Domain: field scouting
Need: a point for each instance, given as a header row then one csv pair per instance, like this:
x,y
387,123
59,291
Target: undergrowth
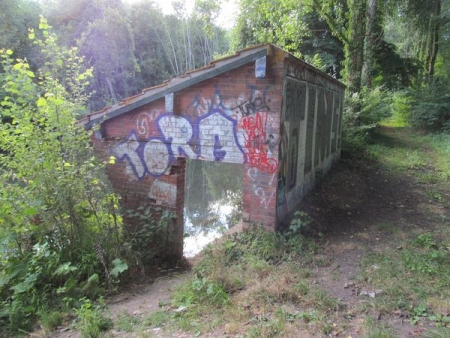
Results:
x,y
254,283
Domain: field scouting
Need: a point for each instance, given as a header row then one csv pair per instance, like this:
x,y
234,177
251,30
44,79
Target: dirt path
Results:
x,y
363,211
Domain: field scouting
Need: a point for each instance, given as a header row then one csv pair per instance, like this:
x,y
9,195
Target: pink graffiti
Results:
x,y
144,121
256,142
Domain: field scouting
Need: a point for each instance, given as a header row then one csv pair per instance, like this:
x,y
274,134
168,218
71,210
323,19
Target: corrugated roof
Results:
x,y
193,77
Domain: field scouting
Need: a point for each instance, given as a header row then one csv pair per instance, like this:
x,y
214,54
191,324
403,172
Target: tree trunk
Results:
x,y
355,45
372,35
434,43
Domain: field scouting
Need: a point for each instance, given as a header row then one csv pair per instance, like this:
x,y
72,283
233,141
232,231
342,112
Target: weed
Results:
x,y
157,319
126,322
301,220
435,196
373,329
91,319
50,320
324,302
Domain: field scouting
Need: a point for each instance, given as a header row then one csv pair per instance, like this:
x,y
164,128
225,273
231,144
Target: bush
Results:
x,y
431,106
60,231
362,114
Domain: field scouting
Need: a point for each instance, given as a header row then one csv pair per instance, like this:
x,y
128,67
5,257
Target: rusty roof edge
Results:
x,y
149,95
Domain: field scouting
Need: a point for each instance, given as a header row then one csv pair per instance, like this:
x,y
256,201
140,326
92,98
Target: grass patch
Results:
x,y
373,329
50,320
127,323
415,279
387,228
424,157
241,284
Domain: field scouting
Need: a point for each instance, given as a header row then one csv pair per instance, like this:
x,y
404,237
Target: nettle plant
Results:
x,y
59,226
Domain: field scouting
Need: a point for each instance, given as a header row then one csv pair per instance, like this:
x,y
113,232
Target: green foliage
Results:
x,y
391,70
373,329
256,248
201,290
297,28
431,106
91,319
149,233
301,220
126,323
50,320
59,221
363,112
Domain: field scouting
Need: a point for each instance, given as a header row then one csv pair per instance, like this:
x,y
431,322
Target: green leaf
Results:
x,y
9,51
43,25
93,279
41,102
65,269
30,211
31,36
119,267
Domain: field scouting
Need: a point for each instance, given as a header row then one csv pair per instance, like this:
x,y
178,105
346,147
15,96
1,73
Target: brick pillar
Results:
x,y
176,228
259,200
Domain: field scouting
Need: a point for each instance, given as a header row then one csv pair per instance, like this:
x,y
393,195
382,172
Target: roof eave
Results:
x,y
149,95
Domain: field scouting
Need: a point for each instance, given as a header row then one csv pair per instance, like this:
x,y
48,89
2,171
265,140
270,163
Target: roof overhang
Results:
x,y
149,95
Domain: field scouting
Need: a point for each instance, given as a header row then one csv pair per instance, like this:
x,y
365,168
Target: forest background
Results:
x,y
60,242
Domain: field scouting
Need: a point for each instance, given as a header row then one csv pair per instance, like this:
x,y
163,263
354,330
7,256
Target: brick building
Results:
x,y
263,108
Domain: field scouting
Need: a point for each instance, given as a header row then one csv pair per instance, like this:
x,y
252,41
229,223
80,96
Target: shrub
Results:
x,y
60,231
431,106
362,114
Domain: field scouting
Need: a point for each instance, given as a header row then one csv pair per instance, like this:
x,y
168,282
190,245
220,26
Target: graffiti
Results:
x,y
295,100
308,75
256,103
310,129
320,137
292,160
150,157
144,121
334,134
216,137
258,182
163,192
295,112
309,136
256,142
201,106
177,131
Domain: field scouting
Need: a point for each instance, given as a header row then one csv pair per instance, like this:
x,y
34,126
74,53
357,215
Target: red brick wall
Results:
x,y
234,117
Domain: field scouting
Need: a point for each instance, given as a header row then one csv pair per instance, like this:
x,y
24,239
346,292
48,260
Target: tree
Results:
x,y
293,25
108,46
16,17
59,226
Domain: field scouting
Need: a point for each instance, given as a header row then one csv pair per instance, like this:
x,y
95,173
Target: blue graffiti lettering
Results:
x,y
214,133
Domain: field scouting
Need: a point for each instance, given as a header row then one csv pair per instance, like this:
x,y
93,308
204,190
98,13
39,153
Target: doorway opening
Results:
x,y
212,202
